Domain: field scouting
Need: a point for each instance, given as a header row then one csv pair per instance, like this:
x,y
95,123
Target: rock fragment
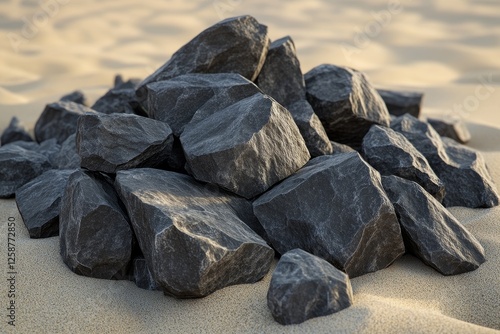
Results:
x,y
341,148
451,128
67,157
76,96
402,102
142,275
16,131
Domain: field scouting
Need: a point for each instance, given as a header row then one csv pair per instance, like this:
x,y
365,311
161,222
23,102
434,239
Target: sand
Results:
x,y
449,50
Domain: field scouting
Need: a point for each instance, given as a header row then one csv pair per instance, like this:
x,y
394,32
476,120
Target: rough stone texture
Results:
x,y
335,208
67,157
142,276
109,143
391,153
430,231
452,128
401,102
76,96
16,131
116,100
246,147
96,238
58,120
193,242
345,102
50,148
462,170
39,202
341,148
235,45
304,286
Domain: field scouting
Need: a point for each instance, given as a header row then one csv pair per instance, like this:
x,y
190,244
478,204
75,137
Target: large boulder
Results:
x,y
453,128
16,131
335,208
402,102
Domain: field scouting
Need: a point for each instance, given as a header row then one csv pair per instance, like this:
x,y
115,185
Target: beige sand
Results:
x,y
446,49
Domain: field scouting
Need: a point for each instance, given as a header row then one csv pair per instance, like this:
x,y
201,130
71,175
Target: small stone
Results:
x,y
76,96
16,131
402,102
453,128
116,100
430,231
50,148
341,148
304,286
142,275
119,83
67,157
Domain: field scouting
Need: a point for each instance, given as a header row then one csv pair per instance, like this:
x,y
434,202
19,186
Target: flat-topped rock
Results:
x,y
15,131
402,102
453,128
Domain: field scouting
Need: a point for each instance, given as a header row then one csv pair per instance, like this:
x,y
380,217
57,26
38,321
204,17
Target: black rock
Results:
x,y
142,275
461,169
67,157
108,143
341,148
430,231
96,239
335,208
246,147
200,245
39,202
304,286
16,131
452,128
58,120
402,102
76,96
117,100
345,102
235,45
392,154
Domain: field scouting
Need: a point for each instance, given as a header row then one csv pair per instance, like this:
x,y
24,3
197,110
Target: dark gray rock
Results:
x,y
142,275
341,148
76,96
58,120
235,45
462,170
200,244
16,131
119,83
335,208
96,238
246,147
39,202
430,231
304,286
402,102
391,153
67,157
50,148
453,128
345,102
108,143
117,100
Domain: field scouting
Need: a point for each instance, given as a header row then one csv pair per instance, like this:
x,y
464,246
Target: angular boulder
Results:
x,y
16,131
453,128
67,157
76,96
402,102
335,208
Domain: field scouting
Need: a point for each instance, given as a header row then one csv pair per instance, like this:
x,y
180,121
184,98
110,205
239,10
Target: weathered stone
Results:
x,y
76,96
235,45
461,169
391,153
453,128
345,102
192,240
402,102
341,148
16,131
96,239
108,143
142,275
335,208
58,120
39,202
246,147
430,231
116,100
67,157
304,286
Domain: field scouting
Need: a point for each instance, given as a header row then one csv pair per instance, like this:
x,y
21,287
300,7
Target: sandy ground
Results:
x,y
449,50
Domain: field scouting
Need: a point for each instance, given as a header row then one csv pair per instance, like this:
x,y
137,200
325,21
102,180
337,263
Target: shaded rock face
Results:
x,y
96,239
58,120
67,157
235,45
142,276
391,153
245,148
345,102
402,102
341,148
109,143
304,286
76,96
430,231
462,170
39,202
193,242
335,208
16,131
451,128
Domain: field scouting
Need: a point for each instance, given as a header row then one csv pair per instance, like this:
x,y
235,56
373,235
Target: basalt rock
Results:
x,y
16,131
451,128
402,102
117,100
76,96
142,275
67,157
341,148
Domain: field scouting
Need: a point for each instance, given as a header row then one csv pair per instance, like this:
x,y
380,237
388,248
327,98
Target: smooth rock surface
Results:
x,y
16,131
77,96
67,157
401,102
142,275
430,231
304,286
335,208
451,128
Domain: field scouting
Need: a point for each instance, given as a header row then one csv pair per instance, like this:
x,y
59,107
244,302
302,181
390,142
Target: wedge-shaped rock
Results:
x,y
235,45
392,154
462,170
58,120
96,238
335,208
304,286
430,231
452,128
142,275
16,131
108,143
246,147
341,148
192,240
67,157
39,202
402,102
345,102
76,96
